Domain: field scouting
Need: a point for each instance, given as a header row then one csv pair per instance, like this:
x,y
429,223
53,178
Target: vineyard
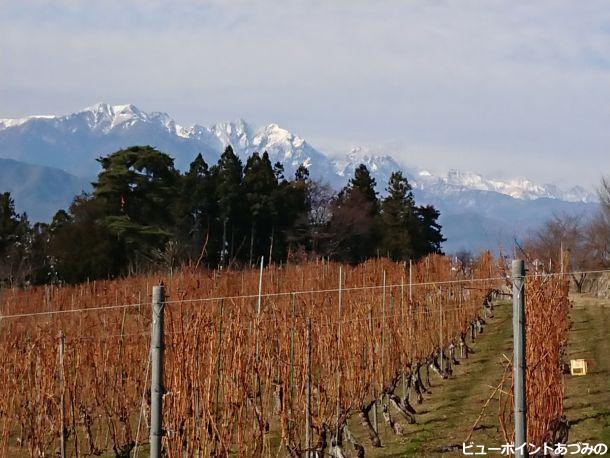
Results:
x,y
289,360
546,307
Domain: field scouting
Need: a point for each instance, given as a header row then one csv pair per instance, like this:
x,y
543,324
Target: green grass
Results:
x,y
587,398
448,414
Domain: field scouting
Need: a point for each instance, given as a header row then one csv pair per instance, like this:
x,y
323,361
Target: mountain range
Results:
x,y
49,159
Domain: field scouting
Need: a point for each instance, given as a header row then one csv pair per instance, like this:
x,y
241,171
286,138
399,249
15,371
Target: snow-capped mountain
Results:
x,y
380,166
73,142
520,188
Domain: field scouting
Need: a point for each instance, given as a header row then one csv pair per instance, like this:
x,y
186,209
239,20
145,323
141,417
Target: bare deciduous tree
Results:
x,y
598,230
585,243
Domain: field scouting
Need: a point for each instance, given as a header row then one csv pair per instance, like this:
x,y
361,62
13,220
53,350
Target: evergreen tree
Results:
x,y
82,247
364,184
291,216
430,237
400,225
278,170
353,234
260,184
9,222
14,243
228,175
137,187
143,214
197,211
301,174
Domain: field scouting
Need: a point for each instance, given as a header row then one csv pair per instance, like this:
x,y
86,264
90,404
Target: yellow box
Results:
x,y
578,367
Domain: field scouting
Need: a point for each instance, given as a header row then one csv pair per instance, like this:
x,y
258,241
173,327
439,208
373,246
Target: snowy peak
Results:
x,y
14,122
237,134
104,117
72,142
518,188
380,166
275,136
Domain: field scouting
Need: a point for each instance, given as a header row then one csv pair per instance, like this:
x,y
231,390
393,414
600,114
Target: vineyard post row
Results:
x,y
157,356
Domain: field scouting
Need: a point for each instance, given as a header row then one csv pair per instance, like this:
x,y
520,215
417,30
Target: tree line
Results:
x,y
582,244
144,214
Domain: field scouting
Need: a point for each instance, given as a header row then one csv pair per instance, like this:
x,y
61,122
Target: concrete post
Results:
x,y
156,384
519,362
62,381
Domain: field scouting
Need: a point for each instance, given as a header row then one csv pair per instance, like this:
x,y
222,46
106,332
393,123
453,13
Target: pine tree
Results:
x,y
399,220
430,237
14,242
260,182
291,201
138,188
353,232
9,221
301,173
228,175
83,247
196,210
364,184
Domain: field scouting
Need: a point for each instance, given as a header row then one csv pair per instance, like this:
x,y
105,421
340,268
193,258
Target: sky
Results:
x,y
506,88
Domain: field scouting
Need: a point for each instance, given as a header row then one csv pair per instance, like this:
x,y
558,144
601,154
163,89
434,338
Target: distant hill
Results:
x,y
38,190
475,220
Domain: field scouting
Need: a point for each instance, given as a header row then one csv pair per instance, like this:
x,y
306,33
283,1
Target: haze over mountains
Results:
x,y
53,158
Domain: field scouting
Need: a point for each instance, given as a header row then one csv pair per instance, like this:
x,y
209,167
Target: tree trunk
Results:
x,y
433,364
428,375
223,248
252,231
271,245
404,408
320,447
363,414
359,449
396,427
579,282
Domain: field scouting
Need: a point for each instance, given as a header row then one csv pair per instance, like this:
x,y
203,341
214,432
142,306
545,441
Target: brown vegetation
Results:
x,y
235,380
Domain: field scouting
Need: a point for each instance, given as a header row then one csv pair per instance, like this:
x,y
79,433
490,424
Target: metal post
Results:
x,y
339,373
62,381
402,314
519,363
293,305
561,259
257,333
374,406
411,320
156,382
382,332
402,301
410,281
308,390
219,359
260,287
440,334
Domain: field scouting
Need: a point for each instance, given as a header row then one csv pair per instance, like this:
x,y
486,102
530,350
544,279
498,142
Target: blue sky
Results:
x,y
505,88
